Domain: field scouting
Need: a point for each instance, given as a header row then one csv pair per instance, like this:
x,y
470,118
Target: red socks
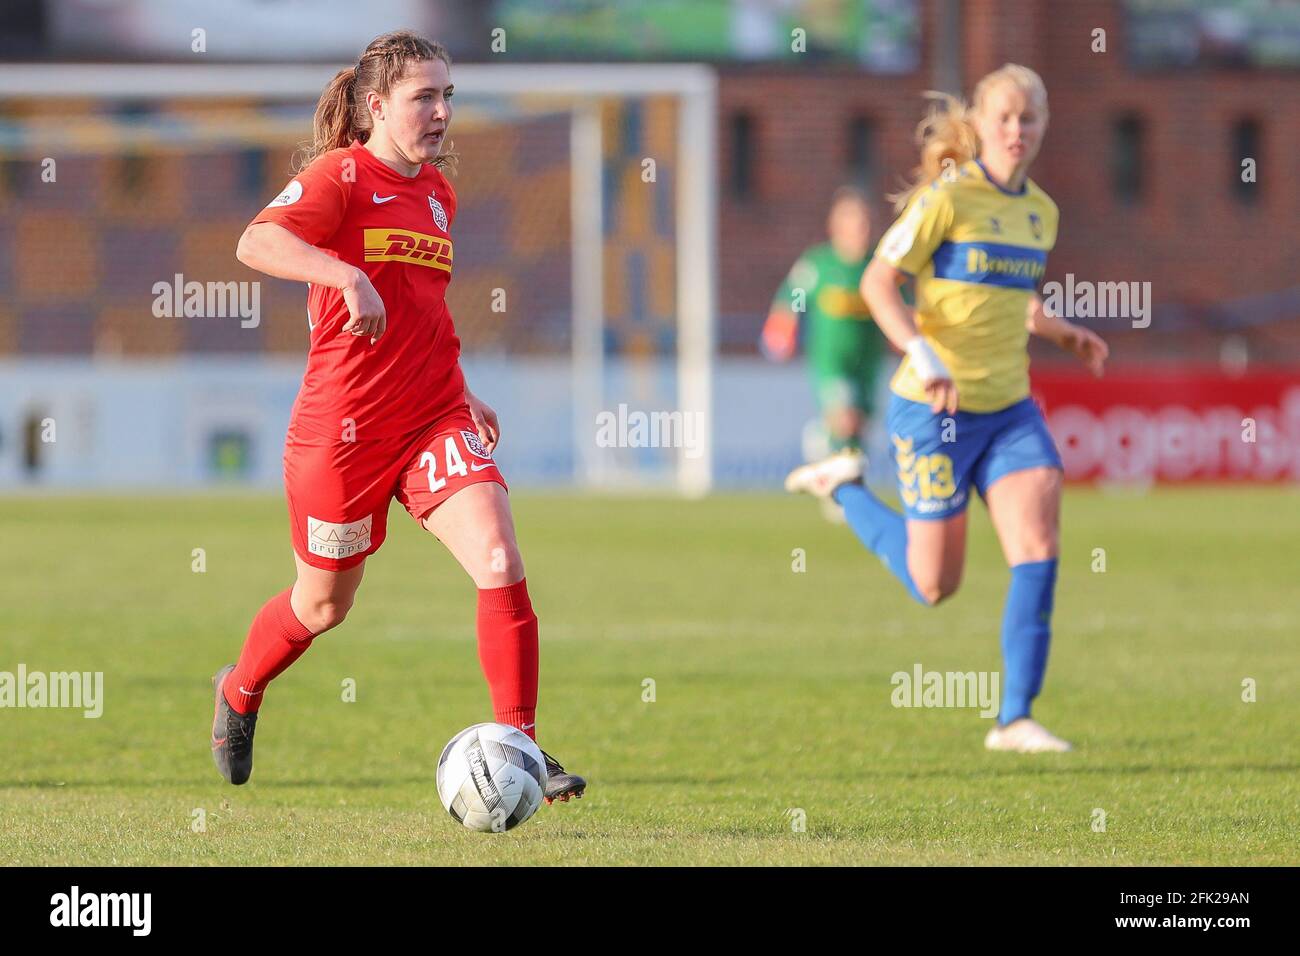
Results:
x,y
507,649
276,639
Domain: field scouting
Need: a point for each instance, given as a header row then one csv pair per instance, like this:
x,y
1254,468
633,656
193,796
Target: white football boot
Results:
x,y
1025,736
822,477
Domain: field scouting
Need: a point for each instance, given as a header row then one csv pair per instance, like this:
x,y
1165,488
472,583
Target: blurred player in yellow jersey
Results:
x,y
974,233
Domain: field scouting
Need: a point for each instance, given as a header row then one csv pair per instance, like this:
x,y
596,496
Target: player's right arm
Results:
x,y
903,251
781,330
780,335
282,241
271,248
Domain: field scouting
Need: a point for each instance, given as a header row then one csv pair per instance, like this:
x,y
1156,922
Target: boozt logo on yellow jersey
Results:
x,y
978,260
990,263
402,245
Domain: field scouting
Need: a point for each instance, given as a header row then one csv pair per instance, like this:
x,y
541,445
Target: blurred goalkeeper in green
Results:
x,y
846,351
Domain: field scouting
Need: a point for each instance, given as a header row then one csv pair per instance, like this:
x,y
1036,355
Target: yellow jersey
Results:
x,y
978,252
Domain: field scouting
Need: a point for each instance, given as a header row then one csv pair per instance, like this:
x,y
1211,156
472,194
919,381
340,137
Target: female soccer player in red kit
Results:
x,y
384,410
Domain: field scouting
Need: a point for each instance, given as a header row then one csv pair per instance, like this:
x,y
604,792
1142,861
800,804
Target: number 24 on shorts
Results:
x,y
455,465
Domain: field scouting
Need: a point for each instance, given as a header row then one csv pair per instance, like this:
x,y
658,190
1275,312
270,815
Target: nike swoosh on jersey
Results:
x,y
382,199
491,464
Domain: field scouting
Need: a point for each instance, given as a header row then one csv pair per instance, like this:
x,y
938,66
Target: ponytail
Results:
x,y
341,114
332,127
947,136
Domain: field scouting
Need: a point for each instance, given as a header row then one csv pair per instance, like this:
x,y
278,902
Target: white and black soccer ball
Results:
x,y
491,777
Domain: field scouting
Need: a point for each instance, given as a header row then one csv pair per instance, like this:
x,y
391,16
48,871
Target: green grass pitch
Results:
x,y
771,690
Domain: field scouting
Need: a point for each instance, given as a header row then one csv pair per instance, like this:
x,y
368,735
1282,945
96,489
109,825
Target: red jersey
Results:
x,y
352,206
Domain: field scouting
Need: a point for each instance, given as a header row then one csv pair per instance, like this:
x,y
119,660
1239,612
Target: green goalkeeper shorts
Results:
x,y
837,388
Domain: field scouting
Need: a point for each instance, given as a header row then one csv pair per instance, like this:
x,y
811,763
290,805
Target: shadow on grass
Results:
x,y
1038,769
1062,769
188,784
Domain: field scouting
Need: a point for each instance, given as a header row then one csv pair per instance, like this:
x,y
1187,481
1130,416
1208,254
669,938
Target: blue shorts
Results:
x,y
937,457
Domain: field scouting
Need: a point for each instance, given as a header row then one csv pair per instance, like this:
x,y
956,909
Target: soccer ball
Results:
x,y
491,777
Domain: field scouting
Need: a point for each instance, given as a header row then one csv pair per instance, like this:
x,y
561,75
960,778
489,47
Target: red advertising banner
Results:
x,y
1178,425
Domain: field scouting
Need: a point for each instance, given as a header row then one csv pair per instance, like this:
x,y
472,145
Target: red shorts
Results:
x,y
339,491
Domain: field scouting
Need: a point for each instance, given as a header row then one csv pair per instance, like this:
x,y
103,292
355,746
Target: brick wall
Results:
x,y
1188,234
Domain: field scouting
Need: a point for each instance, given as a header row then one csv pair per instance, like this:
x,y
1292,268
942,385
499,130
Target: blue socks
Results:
x,y
882,529
1026,633
1026,622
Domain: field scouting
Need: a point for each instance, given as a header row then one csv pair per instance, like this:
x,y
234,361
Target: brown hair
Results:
x,y
341,114
947,135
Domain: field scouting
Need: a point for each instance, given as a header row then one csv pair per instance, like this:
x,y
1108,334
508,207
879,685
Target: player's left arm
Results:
x,y
1084,344
485,420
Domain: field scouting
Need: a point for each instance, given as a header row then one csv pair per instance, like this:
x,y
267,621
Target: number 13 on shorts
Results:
x,y
923,478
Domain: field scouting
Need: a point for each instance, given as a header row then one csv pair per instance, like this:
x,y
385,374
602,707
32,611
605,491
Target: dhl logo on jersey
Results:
x,y
402,245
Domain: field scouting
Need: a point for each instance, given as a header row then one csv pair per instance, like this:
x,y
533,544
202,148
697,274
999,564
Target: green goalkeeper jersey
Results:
x,y
843,344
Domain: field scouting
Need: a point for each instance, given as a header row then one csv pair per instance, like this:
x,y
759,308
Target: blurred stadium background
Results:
x,y
129,157
134,149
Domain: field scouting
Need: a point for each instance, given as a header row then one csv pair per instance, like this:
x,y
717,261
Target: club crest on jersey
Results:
x,y
1036,224
439,214
474,445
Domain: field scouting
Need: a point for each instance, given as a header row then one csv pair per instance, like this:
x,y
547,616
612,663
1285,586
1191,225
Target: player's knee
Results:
x,y
1040,546
935,592
323,614
504,565
844,423
1039,542
929,592
936,587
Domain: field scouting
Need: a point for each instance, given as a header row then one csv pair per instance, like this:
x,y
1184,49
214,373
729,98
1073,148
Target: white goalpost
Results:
x,y
575,90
